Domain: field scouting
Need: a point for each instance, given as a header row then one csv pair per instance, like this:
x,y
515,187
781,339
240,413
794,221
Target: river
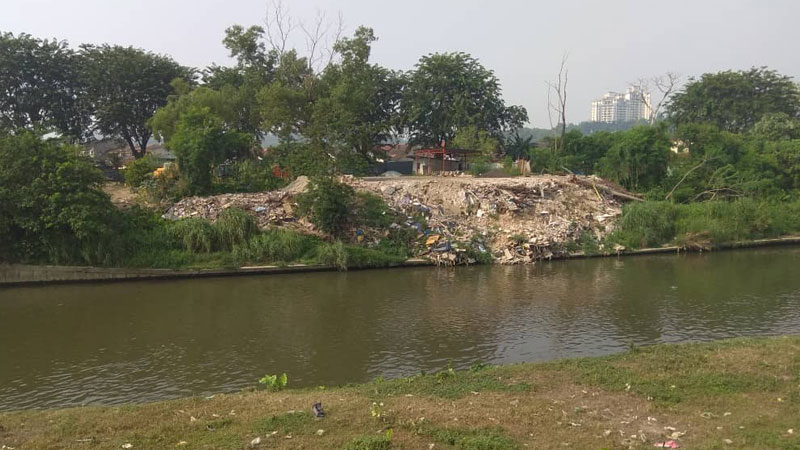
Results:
x,y
114,343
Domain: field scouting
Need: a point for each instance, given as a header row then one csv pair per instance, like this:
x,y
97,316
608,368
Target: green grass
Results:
x,y
471,439
369,443
448,384
671,374
293,423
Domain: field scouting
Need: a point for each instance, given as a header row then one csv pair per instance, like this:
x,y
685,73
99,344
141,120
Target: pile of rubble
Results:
x,y
518,220
521,219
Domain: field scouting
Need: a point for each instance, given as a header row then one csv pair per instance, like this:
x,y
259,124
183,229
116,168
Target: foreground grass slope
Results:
x,y
742,393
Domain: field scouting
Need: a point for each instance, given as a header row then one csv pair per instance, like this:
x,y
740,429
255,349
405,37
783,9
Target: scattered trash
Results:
x,y
666,444
255,442
726,413
128,445
706,415
181,443
320,432
727,441
316,408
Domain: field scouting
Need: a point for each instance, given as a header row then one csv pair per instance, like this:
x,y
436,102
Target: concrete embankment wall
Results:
x,y
21,274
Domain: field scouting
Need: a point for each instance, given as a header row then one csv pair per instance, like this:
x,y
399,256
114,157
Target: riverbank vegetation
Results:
x,y
720,164
740,393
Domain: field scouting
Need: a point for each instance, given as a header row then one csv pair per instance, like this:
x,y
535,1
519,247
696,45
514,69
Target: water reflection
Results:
x,y
116,343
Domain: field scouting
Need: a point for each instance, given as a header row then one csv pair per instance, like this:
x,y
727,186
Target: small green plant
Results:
x,y
274,382
478,367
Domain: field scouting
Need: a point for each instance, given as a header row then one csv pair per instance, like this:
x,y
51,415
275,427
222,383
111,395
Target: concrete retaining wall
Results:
x,y
20,274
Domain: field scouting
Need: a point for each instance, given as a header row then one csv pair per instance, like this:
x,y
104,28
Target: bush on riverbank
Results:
x,y
652,224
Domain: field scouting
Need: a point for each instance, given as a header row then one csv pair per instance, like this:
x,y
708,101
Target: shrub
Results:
x,y
249,176
479,165
234,227
371,211
141,170
328,204
52,209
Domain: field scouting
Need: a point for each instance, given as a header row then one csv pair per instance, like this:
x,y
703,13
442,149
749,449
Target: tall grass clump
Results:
x,y
194,234
646,224
716,222
235,227
334,254
277,246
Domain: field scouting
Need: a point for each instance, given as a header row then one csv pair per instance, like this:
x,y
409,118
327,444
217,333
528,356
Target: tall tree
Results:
x,y
735,101
360,102
40,86
448,91
126,86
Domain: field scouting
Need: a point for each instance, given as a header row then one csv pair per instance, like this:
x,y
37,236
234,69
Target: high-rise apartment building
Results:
x,y
616,107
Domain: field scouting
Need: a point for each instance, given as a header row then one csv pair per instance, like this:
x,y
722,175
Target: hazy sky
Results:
x,y
610,42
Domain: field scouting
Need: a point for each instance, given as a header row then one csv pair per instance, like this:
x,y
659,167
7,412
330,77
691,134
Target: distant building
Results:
x,y
615,107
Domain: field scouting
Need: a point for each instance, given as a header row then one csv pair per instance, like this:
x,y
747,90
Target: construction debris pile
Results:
x,y
516,220
520,219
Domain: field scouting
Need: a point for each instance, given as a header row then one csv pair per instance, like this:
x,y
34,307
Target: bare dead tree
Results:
x,y
559,88
334,38
665,85
278,25
320,34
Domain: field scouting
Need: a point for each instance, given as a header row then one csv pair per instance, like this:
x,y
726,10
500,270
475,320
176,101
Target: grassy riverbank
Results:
x,y
742,393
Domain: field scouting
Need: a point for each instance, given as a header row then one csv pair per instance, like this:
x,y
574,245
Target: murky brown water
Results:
x,y
145,341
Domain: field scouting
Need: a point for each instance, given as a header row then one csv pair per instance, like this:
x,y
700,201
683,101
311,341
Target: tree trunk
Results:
x,y
132,146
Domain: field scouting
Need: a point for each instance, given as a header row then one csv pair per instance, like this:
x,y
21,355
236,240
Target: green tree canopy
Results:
x,y
126,86
41,87
735,101
638,158
449,91
358,108
202,141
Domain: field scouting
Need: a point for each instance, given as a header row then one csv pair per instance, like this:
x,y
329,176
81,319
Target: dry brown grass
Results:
x,y
730,394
